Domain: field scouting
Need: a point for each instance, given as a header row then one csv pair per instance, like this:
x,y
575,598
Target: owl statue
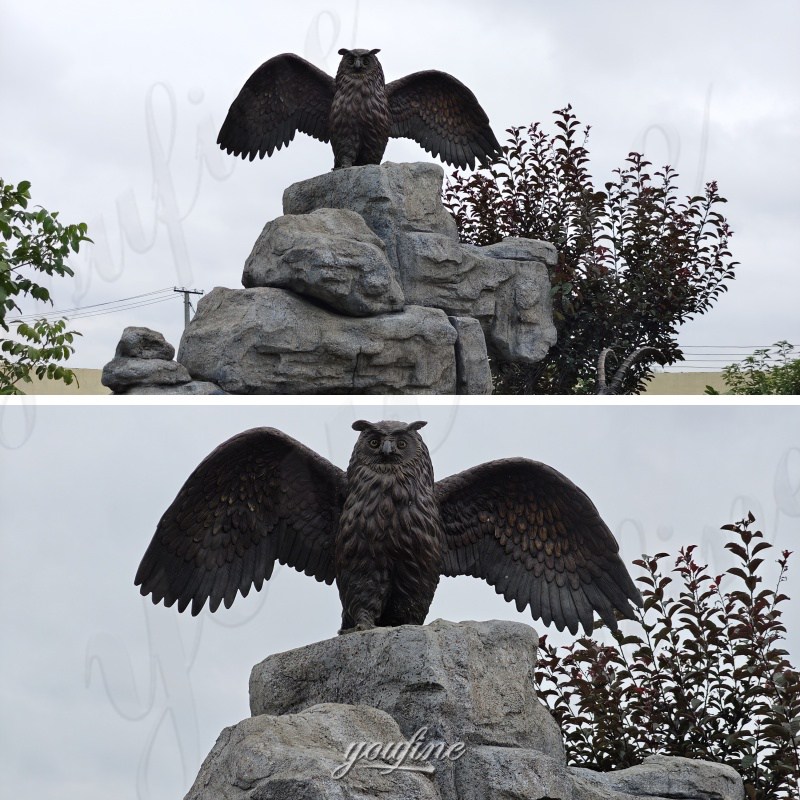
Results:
x,y
385,531
357,112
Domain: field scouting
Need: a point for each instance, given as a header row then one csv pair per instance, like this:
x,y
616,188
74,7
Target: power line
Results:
x,y
713,356
121,308
115,306
77,310
111,302
710,349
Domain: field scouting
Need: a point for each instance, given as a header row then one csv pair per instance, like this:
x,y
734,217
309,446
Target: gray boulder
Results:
x,y
350,292
473,375
392,198
505,286
469,684
294,756
193,388
510,297
471,681
270,341
329,255
143,365
664,777
122,374
144,343
512,773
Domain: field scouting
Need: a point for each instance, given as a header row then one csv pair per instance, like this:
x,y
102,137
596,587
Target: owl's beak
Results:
x,y
358,64
388,448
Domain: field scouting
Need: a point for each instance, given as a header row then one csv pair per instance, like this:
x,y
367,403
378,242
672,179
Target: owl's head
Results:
x,y
389,442
355,62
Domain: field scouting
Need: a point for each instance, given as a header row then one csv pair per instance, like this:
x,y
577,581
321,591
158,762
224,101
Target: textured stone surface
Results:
x,y
517,249
144,343
269,341
513,773
469,680
292,757
664,777
392,198
520,327
191,388
509,297
121,374
349,292
505,286
473,375
330,255
523,774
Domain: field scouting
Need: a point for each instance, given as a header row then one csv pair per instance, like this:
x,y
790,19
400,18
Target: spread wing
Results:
x,y
258,497
441,114
284,95
538,539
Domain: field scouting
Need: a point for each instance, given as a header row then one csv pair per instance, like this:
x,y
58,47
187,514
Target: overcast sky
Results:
x,y
112,110
105,695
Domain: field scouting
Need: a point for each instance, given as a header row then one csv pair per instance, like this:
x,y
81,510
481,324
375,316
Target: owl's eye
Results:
x,y
374,443
401,444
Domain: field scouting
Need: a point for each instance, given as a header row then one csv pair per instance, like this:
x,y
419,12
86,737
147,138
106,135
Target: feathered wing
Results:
x,y
260,496
538,539
443,116
284,95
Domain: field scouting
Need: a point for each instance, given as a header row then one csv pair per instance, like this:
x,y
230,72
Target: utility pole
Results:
x,y
186,304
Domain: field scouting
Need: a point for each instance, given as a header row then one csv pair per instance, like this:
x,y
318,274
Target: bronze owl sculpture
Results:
x,y
384,531
357,112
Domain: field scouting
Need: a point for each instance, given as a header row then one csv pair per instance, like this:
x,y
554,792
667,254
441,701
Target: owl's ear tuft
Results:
x,y
376,50
415,426
344,51
361,425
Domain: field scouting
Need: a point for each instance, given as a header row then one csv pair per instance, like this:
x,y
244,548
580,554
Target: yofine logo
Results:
x,y
388,757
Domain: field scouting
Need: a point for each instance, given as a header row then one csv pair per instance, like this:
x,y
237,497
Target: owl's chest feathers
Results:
x,y
390,512
361,102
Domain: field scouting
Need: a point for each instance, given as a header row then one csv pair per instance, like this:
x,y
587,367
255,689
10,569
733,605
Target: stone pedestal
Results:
x,y
470,683
362,287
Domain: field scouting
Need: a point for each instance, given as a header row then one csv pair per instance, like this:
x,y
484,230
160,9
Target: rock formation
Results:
x,y
506,286
271,341
469,683
361,287
143,364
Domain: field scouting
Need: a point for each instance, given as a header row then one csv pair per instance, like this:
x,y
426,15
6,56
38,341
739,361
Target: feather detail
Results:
x,y
547,528
259,496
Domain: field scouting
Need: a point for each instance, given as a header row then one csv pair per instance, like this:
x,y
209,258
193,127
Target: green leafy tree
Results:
x,y
703,674
770,370
634,261
32,243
